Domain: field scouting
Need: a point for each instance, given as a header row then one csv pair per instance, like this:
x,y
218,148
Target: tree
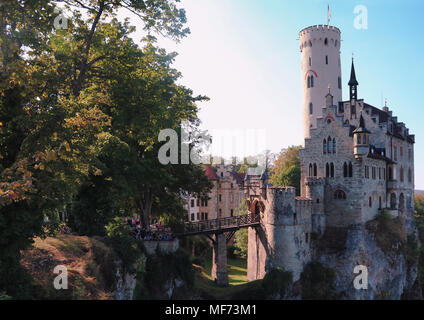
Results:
x,y
67,98
286,170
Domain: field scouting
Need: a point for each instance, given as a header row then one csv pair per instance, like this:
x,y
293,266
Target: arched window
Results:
x,y
326,41
345,170
309,81
334,145
329,144
370,202
339,195
311,108
324,146
393,201
315,170
401,174
310,170
401,202
327,170
312,81
409,175
332,170
350,170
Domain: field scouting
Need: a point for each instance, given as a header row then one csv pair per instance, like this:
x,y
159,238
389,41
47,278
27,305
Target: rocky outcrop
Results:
x,y
385,247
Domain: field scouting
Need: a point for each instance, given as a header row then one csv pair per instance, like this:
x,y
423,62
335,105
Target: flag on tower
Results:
x,y
328,14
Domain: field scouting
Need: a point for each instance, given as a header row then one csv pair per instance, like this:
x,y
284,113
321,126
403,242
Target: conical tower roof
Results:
x,y
353,81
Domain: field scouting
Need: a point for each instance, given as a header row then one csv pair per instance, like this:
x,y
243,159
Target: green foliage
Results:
x,y
80,113
286,170
317,282
419,218
277,281
162,267
124,244
241,236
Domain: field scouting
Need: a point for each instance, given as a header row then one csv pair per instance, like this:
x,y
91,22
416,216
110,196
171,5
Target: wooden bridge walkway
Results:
x,y
220,225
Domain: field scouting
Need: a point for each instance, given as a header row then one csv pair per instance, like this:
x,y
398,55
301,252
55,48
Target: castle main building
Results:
x,y
356,162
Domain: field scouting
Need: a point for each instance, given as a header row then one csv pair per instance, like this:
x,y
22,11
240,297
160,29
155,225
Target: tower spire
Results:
x,y
353,83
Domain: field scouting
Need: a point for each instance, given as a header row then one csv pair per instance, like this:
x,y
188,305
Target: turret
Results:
x,y
320,50
361,140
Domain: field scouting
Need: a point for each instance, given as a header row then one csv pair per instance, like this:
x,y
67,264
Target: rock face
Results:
x,y
390,262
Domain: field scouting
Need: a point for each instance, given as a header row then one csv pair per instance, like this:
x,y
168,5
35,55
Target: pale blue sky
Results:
x,y
244,55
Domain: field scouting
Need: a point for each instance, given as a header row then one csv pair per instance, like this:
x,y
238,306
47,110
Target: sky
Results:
x,y
244,55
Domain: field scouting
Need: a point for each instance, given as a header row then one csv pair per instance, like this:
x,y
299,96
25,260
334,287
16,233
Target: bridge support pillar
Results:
x,y
219,260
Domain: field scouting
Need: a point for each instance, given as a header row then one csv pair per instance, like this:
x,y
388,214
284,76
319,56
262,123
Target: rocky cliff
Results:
x,y
386,246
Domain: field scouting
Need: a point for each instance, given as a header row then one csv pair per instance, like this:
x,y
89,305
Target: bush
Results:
x,y
124,244
317,282
162,267
277,281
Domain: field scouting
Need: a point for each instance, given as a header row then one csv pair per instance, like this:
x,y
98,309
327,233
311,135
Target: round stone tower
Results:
x,y
321,69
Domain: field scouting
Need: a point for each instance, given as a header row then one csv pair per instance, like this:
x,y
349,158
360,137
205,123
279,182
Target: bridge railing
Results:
x,y
222,223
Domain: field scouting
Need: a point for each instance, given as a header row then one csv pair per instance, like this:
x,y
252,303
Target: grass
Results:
x,y
237,277
237,270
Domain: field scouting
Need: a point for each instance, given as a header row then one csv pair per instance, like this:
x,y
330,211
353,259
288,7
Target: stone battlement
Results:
x,y
287,191
319,28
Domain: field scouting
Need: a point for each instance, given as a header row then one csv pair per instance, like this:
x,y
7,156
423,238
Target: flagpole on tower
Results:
x,y
328,14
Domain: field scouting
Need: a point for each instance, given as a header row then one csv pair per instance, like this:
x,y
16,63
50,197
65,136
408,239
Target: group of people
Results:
x,y
157,231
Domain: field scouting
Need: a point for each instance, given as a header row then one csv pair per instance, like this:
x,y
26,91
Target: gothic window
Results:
x,y
332,170
345,170
370,202
334,145
401,201
311,108
312,81
310,170
393,201
409,175
315,170
395,152
350,170
339,195
326,41
401,174
324,146
329,145
327,170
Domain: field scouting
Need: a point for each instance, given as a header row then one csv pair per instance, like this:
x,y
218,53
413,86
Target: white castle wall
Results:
x,y
314,52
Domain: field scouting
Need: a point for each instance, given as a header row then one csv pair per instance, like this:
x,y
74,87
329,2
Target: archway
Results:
x,y
393,201
401,202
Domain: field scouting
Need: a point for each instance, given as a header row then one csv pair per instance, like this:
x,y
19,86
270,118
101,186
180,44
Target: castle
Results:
x,y
357,161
